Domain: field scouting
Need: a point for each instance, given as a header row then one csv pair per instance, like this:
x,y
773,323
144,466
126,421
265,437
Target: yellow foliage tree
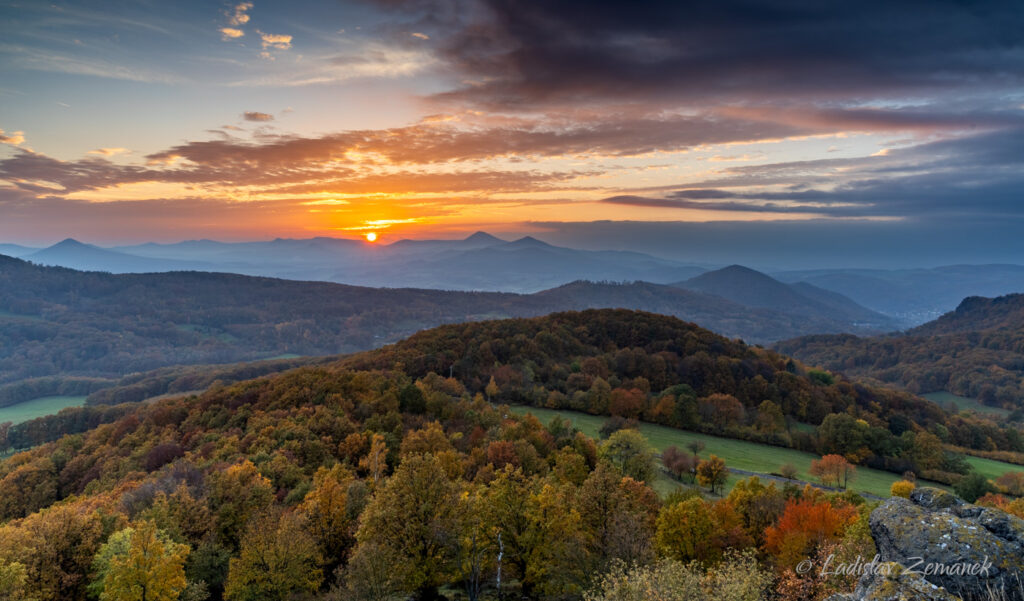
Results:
x,y
685,531
414,514
712,473
150,569
375,462
327,514
278,561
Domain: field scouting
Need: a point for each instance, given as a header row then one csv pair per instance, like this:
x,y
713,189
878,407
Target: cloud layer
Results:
x,y
527,114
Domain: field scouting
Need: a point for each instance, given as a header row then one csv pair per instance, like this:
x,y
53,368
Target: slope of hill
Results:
x,y
523,265
914,296
976,314
59,322
755,289
976,351
75,255
16,250
729,318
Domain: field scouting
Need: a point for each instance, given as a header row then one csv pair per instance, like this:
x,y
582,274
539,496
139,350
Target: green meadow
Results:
x,y
49,405
740,454
991,468
943,399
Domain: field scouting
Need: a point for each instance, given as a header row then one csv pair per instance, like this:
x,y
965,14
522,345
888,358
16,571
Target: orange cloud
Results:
x,y
275,40
14,138
240,15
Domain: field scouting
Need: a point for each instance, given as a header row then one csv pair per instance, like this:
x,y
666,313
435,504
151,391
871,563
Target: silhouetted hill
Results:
x,y
71,324
86,257
16,250
752,288
975,314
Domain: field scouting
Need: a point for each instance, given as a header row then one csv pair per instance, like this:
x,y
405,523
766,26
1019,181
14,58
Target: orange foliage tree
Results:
x,y
833,470
806,524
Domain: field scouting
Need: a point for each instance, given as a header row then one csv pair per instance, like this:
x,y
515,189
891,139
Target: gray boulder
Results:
x,y
890,582
974,552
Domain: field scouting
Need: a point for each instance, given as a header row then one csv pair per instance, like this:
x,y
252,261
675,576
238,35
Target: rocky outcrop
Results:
x,y
976,553
890,582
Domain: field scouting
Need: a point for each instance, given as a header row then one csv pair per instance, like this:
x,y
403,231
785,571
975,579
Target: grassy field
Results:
x,y
38,407
738,454
992,469
943,399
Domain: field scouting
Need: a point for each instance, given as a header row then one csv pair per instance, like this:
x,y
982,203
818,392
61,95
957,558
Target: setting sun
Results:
x,y
371,236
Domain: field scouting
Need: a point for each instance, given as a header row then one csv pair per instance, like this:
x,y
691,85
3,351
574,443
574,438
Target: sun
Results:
x,y
371,236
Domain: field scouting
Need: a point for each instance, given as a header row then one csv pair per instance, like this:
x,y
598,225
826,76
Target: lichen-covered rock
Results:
x,y
890,582
970,551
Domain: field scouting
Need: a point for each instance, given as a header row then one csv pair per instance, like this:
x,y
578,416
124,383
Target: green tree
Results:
x,y
141,564
927,450
375,573
508,506
685,531
629,451
842,434
618,514
712,473
12,581
236,495
415,515
973,486
770,418
277,561
327,515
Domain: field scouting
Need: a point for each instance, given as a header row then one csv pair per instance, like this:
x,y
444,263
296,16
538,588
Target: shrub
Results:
x,y
738,578
901,488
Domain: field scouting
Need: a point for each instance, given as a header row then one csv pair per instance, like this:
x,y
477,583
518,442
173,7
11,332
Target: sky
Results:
x,y
800,132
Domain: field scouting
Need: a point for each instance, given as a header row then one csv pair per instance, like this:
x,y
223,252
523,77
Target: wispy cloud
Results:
x,y
109,152
230,33
257,116
55,62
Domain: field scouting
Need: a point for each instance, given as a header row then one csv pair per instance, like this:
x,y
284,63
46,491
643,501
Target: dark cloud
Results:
x,y
742,207
565,51
949,179
806,244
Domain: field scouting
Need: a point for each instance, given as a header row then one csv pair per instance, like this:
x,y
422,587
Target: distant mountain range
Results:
x,y
479,262
61,322
487,263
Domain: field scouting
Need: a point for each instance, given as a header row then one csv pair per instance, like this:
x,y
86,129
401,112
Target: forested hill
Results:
x,y
59,322
382,460
667,371
975,351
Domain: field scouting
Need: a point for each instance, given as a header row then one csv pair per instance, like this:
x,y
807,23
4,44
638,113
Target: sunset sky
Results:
x,y
895,128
